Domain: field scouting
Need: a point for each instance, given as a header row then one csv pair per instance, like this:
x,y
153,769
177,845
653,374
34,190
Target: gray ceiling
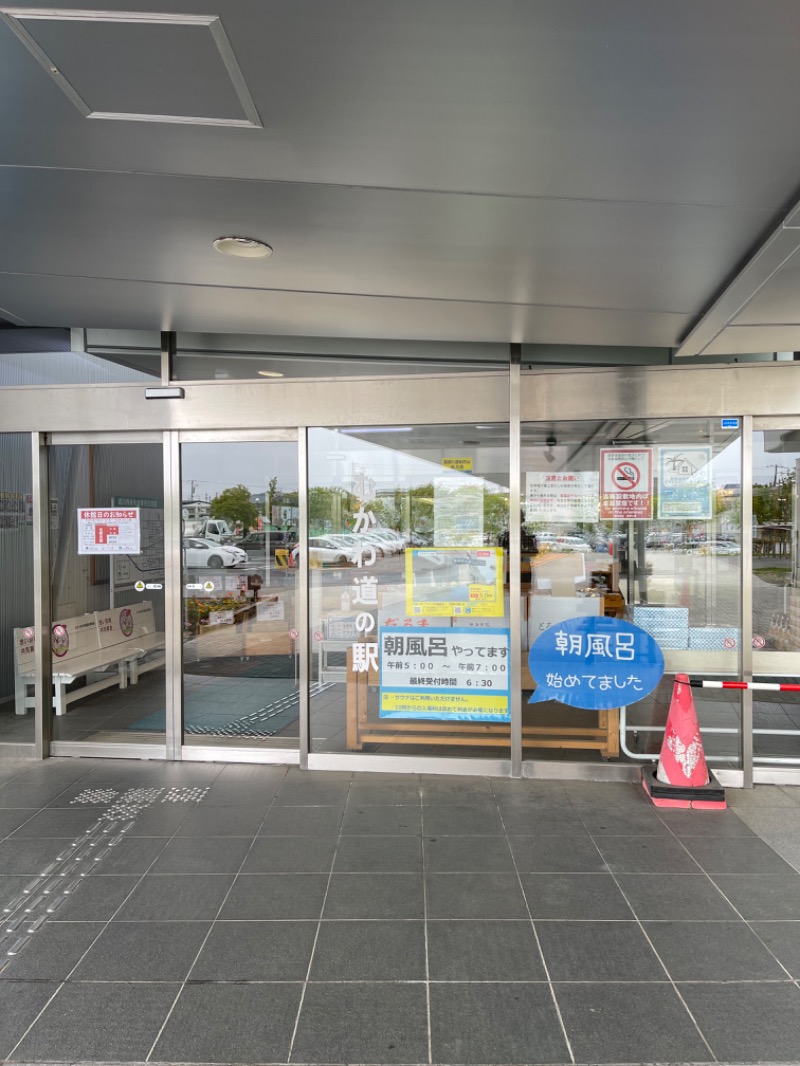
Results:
x,y
549,171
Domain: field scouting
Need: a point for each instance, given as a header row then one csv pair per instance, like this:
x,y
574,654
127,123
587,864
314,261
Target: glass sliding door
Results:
x,y
239,534
639,520
107,592
776,590
409,616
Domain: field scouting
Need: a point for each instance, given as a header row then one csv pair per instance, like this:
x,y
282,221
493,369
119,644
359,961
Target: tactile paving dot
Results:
x,y
133,801
184,795
96,795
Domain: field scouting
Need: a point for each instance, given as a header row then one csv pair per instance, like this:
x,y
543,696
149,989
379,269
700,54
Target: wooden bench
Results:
x,y
365,726
106,648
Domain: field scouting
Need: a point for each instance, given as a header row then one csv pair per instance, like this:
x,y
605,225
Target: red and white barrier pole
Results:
x,y
753,686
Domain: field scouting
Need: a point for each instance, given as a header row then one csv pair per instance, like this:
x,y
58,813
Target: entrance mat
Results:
x,y
268,721
235,666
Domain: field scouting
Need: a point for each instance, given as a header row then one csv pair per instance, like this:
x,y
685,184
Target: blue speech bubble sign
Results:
x,y
595,663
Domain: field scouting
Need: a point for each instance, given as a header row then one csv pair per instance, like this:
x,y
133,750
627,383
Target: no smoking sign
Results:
x,y
626,483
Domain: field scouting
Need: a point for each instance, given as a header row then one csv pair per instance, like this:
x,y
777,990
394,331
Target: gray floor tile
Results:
x,y
330,793
578,896
256,951
54,822
20,856
134,855
100,1022
605,794
541,821
712,951
568,853
646,854
378,854
230,1023
483,951
161,821
736,856
20,1002
716,824
385,793
382,821
458,791
474,896
764,898
675,897
362,1023
474,854
273,897
96,899
747,1022
783,940
761,796
370,951
290,855
495,1023
206,855
11,819
52,952
176,897
303,822
143,951
625,820
629,1023
461,820
222,822
374,896
598,951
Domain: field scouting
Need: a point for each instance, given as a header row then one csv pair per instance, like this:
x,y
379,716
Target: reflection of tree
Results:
x,y
773,503
236,506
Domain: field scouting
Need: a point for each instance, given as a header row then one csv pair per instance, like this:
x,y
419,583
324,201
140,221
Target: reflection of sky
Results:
x,y
218,466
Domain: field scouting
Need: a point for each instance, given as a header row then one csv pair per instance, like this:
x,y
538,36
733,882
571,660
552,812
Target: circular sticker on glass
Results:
x,y
60,641
126,621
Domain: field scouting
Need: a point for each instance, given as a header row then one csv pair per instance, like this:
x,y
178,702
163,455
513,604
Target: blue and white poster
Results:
x,y
458,675
684,482
595,663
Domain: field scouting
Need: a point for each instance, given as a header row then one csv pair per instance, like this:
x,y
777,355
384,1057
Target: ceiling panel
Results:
x,y
373,242
683,102
126,305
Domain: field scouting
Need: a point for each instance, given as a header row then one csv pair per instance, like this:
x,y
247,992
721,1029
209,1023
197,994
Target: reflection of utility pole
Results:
x,y
194,487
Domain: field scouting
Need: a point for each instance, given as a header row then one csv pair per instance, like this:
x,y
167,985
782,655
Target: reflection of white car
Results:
x,y
327,552
208,553
718,547
571,544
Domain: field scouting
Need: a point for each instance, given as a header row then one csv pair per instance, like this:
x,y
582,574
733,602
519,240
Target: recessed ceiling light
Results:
x,y
270,374
244,247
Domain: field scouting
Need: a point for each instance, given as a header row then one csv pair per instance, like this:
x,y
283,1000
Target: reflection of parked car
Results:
x,y
255,544
207,553
718,547
571,544
356,542
325,551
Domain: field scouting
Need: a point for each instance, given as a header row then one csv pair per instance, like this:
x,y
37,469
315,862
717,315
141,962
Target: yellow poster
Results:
x,y
454,582
458,463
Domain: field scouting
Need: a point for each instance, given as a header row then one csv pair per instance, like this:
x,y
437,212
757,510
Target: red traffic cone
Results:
x,y
682,778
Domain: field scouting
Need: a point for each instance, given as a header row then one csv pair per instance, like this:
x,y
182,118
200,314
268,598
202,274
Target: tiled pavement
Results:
x,y
262,915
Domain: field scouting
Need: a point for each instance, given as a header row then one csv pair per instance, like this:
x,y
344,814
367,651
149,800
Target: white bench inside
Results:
x,y
107,648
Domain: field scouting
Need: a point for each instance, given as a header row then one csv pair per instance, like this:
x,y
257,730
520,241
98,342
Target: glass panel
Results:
x,y
107,592
776,594
16,601
409,613
637,520
240,668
